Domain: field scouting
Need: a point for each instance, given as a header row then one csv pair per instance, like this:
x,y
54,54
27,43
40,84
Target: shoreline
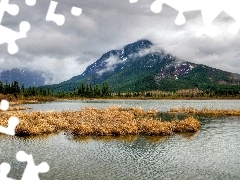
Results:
x,y
32,100
144,98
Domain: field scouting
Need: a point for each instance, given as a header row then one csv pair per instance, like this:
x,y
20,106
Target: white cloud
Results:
x,y
146,51
105,25
110,64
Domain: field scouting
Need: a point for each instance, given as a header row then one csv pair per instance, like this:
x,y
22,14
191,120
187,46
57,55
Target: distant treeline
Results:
x,y
82,90
88,91
194,93
103,91
19,90
210,91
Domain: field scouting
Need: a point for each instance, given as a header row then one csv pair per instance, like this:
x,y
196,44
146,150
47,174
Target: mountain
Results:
x,y
142,66
23,76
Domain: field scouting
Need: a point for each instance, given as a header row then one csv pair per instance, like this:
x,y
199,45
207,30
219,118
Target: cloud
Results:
x,y
110,64
65,51
143,52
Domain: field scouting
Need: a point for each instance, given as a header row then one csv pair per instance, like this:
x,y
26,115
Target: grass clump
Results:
x,y
206,111
93,121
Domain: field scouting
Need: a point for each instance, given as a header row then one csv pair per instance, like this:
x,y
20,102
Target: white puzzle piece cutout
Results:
x,y
4,105
7,35
30,2
12,9
133,1
31,171
76,11
59,19
12,124
4,170
12,121
210,10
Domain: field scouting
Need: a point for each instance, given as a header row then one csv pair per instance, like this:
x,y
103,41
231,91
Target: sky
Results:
x,y
65,51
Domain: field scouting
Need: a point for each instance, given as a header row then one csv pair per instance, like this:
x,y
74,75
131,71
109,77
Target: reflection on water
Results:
x,y
154,139
188,135
211,153
127,138
172,116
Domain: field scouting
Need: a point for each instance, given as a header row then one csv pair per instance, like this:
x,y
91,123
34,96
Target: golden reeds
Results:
x,y
93,121
206,111
18,108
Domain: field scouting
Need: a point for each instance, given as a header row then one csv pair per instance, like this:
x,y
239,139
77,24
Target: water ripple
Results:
x,y
211,153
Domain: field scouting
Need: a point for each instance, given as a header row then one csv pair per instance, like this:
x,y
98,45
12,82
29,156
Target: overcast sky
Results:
x,y
104,25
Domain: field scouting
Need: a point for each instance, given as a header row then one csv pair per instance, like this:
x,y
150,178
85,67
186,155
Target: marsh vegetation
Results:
x,y
206,111
93,121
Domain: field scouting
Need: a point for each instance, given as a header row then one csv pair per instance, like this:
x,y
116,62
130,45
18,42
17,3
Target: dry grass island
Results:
x,y
92,121
206,111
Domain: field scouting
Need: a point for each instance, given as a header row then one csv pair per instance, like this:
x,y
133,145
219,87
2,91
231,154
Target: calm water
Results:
x,y
161,105
211,153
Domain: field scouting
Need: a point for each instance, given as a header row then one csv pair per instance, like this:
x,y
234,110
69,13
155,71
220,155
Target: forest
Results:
x,y
84,91
16,91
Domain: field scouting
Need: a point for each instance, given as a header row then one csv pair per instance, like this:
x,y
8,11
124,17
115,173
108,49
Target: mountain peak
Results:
x,y
128,49
142,66
137,46
142,43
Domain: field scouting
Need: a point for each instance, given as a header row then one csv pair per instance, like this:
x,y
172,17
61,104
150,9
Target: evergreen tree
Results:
x,y
1,87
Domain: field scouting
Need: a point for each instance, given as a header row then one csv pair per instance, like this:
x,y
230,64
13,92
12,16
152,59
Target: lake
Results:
x,y
211,153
